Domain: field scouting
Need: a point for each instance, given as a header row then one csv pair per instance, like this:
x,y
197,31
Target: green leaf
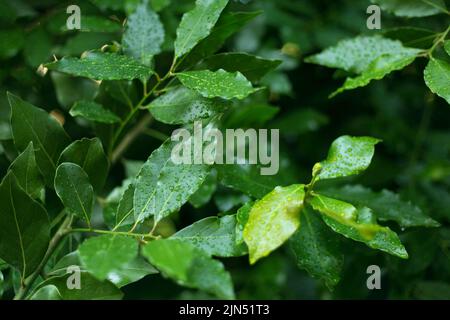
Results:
x,y
228,24
11,42
89,155
412,36
159,5
356,54
273,220
133,271
27,173
220,83
246,178
252,67
106,254
437,77
30,123
102,66
204,194
38,47
377,70
387,205
228,200
162,186
144,34
241,220
347,156
94,112
130,272
49,292
412,8
91,288
215,236
317,249
125,210
69,90
189,266
197,24
182,105
447,47
359,225
96,24
74,189
25,228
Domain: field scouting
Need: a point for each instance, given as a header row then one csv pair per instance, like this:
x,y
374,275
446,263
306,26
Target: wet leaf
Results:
x,y
272,220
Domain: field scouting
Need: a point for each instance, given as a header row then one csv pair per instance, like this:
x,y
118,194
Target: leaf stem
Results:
x,y
131,234
116,153
62,231
439,39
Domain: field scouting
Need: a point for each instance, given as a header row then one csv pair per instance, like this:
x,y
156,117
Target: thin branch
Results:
x,y
130,234
130,137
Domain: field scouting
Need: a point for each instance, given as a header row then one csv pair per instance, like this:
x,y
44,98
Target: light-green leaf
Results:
x,y
108,253
25,227
93,111
273,220
356,54
347,156
359,225
74,189
144,34
182,105
252,67
215,236
30,123
197,24
189,266
317,248
377,70
387,205
222,84
437,78
412,8
102,66
89,155
162,186
27,173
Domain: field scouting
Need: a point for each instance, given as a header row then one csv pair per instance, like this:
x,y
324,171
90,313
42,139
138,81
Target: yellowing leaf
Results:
x,y
272,220
359,225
